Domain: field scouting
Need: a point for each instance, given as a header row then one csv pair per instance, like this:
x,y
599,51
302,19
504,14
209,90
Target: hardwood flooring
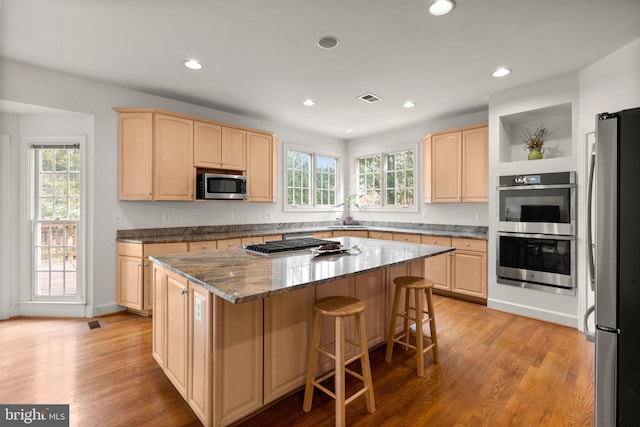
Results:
x,y
495,369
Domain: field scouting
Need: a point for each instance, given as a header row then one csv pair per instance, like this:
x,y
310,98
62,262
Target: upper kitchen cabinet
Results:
x,y
262,167
219,147
160,153
155,156
456,165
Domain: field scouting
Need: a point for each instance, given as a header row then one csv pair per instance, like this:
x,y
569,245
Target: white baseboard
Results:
x,y
536,313
51,309
100,310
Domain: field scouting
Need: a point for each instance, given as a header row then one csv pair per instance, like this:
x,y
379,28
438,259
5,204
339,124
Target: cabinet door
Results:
x,y
174,174
350,233
176,357
135,156
438,268
207,145
287,330
382,235
445,167
129,283
470,273
323,234
238,372
260,167
234,149
371,289
475,165
402,237
199,381
159,285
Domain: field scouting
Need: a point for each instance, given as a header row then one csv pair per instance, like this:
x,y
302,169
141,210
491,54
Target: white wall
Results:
x,y
556,91
35,86
430,213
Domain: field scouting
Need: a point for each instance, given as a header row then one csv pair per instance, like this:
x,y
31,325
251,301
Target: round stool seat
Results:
x,y
411,282
339,306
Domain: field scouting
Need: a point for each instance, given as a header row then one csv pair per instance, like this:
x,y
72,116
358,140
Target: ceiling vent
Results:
x,y
370,98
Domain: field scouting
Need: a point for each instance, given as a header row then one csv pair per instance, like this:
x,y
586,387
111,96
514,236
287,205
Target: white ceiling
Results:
x,y
261,59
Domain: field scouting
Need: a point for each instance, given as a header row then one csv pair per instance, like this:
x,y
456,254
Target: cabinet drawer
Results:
x,y
323,234
229,243
130,249
436,240
401,237
204,245
469,244
272,237
151,249
382,235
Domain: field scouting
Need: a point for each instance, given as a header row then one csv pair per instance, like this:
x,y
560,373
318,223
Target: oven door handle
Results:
x,y
535,187
538,236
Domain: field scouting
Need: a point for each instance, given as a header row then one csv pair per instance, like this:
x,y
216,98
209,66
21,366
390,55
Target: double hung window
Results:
x,y
387,179
311,180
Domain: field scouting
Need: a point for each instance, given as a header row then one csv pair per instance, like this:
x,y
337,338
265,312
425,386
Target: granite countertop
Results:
x,y
239,276
201,233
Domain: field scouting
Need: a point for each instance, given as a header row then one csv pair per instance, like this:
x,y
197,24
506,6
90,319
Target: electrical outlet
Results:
x,y
266,215
230,216
477,216
426,216
165,217
117,218
197,312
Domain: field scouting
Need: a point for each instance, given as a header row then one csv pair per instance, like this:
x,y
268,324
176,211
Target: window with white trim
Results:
x,y
311,179
387,179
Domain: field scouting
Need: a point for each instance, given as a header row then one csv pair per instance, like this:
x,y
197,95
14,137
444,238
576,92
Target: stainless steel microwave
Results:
x,y
218,186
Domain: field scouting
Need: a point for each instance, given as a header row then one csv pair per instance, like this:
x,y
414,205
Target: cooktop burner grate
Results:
x,y
278,246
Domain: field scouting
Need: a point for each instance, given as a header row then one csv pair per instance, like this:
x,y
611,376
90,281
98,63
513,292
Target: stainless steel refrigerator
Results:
x,y
616,262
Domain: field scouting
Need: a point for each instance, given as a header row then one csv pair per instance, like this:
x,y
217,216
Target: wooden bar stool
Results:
x,y
339,307
417,285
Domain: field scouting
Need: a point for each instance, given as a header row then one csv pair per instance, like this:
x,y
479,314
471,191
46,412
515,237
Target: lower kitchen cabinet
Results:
x,y
350,233
159,330
461,273
371,289
287,329
133,273
403,237
381,235
470,267
177,331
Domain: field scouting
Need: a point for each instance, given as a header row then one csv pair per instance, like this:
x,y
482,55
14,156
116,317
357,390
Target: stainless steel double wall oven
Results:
x,y
536,239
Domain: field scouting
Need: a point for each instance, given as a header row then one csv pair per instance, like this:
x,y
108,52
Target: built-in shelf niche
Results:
x,y
556,118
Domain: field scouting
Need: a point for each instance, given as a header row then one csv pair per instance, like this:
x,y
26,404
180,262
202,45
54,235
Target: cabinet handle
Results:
x,y
183,292
146,264
467,244
434,241
204,247
149,194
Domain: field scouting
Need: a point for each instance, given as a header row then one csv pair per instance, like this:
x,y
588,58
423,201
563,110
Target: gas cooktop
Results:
x,y
280,246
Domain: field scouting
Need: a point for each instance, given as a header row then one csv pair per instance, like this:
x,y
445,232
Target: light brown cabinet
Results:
x,y
403,237
461,273
177,331
159,285
456,165
199,385
262,167
381,235
350,233
133,273
155,157
160,152
219,147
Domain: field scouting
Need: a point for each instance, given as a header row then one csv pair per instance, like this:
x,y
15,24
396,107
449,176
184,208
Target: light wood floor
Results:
x,y
495,369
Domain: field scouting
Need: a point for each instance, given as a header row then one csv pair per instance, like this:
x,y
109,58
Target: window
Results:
x,y
311,179
387,179
55,212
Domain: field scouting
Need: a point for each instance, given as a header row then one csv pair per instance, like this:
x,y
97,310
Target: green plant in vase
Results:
x,y
533,141
351,200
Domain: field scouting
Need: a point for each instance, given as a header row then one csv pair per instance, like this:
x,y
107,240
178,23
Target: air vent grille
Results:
x,y
370,98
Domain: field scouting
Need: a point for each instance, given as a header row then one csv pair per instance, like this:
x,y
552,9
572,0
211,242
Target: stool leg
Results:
x,y
312,362
339,374
419,333
364,363
392,324
407,307
432,325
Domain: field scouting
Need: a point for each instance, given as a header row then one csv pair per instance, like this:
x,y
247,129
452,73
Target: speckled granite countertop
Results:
x,y
239,276
217,232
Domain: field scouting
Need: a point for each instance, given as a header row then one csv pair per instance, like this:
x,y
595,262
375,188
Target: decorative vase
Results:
x,y
535,154
348,220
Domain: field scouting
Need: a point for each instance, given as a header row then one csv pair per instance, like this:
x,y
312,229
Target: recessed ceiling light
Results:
x,y
348,130
328,42
309,102
409,104
193,64
441,7
501,72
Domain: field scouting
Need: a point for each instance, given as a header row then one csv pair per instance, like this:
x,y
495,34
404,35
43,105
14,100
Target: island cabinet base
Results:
x,y
237,358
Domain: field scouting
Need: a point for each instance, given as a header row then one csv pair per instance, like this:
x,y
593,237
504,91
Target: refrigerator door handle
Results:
x,y
590,245
591,336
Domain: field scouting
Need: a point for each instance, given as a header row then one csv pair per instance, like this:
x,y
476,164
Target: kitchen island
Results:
x,y
231,328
